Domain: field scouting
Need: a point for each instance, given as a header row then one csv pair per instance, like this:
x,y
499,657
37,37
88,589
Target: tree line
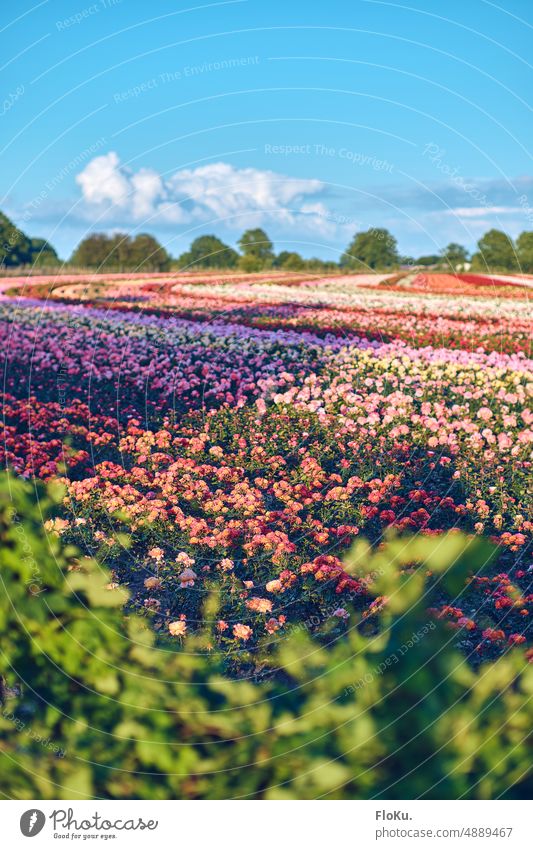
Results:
x,y
377,249
17,249
371,250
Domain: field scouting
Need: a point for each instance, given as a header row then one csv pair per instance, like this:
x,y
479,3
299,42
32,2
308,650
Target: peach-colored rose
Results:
x,y
178,628
184,559
153,583
187,578
259,605
272,625
242,632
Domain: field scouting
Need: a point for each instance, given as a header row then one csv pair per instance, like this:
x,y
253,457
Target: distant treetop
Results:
x,y
16,248
121,253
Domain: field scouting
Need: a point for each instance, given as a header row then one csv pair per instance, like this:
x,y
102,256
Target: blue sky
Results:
x,y
312,121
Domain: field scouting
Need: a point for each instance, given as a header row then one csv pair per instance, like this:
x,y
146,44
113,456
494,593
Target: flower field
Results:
x,y
232,437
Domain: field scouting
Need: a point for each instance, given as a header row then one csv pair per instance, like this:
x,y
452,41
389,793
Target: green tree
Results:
x,y
14,244
289,260
16,248
524,249
454,255
374,249
249,263
431,259
119,256
255,243
92,252
42,254
208,252
146,254
496,253
120,252
320,265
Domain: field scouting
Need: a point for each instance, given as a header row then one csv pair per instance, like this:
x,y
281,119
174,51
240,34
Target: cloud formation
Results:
x,y
481,211
217,192
460,193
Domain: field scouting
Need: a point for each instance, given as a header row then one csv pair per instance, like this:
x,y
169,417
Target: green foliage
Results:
x,y
372,250
320,265
256,244
146,254
496,253
93,707
42,254
290,260
524,249
16,248
454,256
431,259
121,253
208,252
92,252
250,263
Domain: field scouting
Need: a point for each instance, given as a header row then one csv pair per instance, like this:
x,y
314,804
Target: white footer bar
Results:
x,y
268,825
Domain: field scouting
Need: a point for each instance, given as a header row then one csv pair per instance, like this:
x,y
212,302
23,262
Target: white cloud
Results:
x,y
147,188
315,209
480,211
218,192
102,180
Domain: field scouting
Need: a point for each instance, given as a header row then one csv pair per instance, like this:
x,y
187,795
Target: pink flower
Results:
x,y
467,623
187,578
184,559
492,634
273,624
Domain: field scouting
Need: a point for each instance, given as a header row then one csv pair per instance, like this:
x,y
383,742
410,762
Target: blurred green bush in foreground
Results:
x,y
92,708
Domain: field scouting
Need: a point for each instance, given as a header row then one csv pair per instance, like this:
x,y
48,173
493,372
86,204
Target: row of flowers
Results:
x,y
144,364
244,462
417,310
